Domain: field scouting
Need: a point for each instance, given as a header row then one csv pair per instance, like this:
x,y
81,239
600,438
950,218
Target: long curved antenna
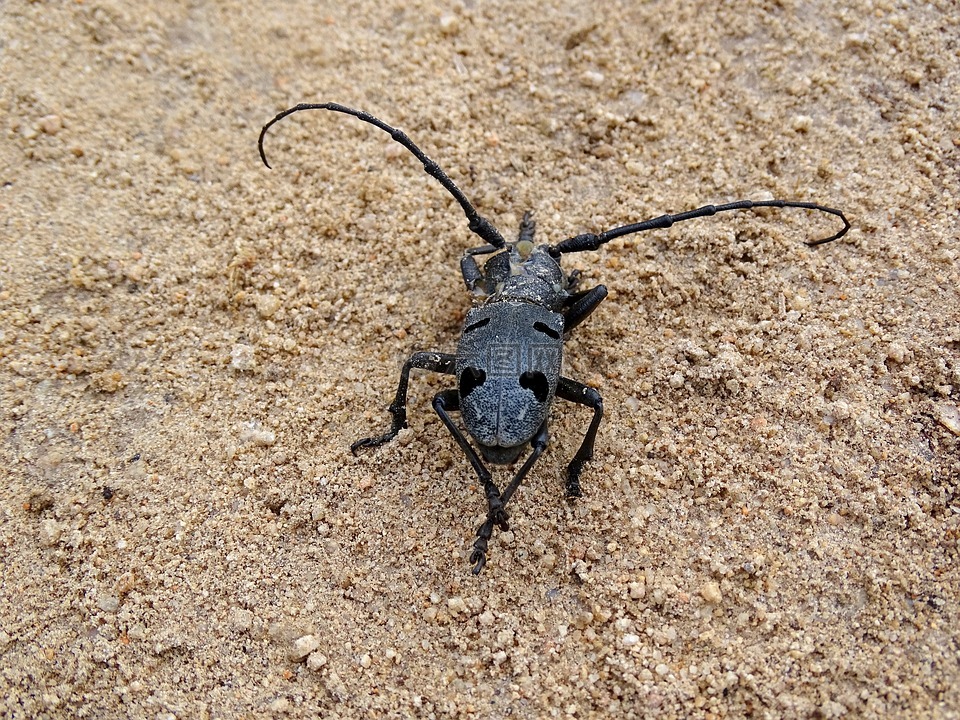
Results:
x,y
590,241
478,224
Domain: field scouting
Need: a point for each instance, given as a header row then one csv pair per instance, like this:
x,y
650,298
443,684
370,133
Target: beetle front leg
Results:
x,y
472,274
580,305
582,395
436,362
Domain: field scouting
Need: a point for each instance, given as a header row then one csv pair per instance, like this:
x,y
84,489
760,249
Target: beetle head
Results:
x,y
500,455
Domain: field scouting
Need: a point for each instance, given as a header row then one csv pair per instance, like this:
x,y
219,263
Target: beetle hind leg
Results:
x,y
496,515
582,395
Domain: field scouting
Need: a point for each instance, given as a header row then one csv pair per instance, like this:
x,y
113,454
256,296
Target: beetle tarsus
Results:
x,y
399,423
374,441
573,487
478,558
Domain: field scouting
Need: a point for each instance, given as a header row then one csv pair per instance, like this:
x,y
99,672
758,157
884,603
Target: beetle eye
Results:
x,y
470,380
536,382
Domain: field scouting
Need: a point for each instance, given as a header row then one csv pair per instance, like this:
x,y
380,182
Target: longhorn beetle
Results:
x,y
508,359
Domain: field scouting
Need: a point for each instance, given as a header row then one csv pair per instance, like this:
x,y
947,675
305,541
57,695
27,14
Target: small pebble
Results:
x,y
50,532
267,306
243,357
897,352
316,660
240,618
711,593
50,124
280,705
948,415
108,603
303,646
258,436
449,24
591,78
457,606
637,590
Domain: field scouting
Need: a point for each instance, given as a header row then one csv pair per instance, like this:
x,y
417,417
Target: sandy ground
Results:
x,y
190,342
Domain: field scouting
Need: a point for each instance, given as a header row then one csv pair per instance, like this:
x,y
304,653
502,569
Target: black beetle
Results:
x,y
508,360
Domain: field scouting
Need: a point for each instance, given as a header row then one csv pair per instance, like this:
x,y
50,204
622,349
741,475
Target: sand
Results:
x,y
191,342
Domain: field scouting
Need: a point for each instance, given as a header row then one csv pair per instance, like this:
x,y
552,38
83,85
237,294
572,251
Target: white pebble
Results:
x,y
948,415
257,435
108,603
316,660
449,24
303,646
592,78
50,532
897,352
243,357
280,705
50,124
267,306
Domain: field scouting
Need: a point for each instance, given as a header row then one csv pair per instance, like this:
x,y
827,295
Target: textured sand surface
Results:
x,y
190,342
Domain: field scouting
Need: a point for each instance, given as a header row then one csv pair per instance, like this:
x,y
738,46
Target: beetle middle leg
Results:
x,y
582,395
437,362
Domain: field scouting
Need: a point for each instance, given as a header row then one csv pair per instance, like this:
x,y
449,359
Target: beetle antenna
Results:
x,y
478,224
590,241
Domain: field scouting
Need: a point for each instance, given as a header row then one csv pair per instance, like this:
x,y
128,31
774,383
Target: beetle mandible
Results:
x,y
507,363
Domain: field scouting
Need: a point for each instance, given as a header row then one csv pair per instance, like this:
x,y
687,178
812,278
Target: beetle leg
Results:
x,y
583,395
436,362
539,444
581,304
449,400
472,274
496,514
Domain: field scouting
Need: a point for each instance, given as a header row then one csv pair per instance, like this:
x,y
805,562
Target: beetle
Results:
x,y
507,363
